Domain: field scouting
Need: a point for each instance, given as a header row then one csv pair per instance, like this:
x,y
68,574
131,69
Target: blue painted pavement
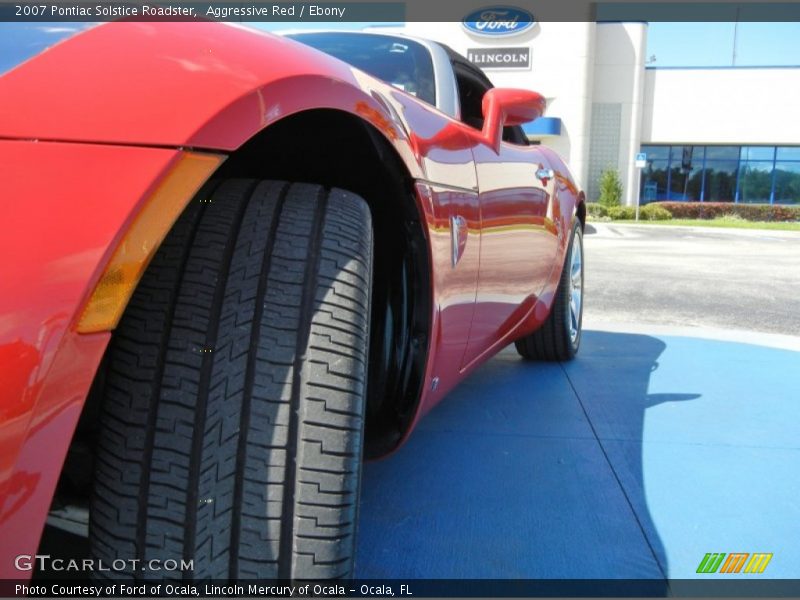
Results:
x,y
632,461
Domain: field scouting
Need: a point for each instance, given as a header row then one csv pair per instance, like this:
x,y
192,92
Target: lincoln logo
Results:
x,y
498,21
502,59
506,58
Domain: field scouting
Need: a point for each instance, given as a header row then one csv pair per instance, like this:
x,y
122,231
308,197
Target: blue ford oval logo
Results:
x,y
496,21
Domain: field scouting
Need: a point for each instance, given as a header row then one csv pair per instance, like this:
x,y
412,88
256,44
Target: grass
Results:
x,y
723,222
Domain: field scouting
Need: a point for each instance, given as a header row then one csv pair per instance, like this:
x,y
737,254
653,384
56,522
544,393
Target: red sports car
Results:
x,y
232,264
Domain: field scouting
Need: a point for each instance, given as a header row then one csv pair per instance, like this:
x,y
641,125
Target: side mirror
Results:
x,y
507,106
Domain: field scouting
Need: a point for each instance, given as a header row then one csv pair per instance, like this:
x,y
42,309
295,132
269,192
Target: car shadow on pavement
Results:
x,y
516,474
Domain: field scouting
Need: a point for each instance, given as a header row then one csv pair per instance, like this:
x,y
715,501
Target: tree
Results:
x,y
610,188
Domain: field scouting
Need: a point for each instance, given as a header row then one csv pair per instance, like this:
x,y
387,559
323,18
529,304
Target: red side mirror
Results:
x,y
507,106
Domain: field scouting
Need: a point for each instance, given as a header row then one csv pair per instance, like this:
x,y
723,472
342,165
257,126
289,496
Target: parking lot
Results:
x,y
740,279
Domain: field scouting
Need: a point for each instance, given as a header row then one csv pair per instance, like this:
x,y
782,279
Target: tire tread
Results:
x,y
236,387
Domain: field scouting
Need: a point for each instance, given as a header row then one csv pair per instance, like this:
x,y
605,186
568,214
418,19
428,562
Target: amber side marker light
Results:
x,y
149,228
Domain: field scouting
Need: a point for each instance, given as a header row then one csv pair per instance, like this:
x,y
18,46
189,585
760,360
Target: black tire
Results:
x,y
232,413
553,341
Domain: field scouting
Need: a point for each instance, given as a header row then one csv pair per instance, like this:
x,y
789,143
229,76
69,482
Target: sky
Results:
x,y
712,44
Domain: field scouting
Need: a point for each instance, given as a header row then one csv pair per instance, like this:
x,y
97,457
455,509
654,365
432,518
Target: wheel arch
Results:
x,y
337,148
580,209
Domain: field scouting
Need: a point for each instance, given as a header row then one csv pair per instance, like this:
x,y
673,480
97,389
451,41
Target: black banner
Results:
x,y
391,11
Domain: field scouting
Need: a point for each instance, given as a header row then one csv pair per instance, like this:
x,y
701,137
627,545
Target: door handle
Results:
x,y
544,175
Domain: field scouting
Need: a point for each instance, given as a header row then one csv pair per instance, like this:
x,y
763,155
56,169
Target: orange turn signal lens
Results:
x,y
149,228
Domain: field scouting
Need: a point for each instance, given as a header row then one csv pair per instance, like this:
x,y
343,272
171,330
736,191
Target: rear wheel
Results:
x,y
560,336
232,413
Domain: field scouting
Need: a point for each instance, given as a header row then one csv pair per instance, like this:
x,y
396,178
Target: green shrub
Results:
x,y
654,212
593,209
622,213
750,212
610,188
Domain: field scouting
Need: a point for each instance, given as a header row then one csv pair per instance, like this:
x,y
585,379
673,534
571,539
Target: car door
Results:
x,y
519,237
448,192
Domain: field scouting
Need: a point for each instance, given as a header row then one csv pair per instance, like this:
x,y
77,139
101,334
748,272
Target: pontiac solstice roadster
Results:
x,y
233,264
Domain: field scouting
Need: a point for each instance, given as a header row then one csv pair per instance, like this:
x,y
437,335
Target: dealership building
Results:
x,y
709,134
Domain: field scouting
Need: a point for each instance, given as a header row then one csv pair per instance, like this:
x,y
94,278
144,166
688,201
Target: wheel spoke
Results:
x,y
575,289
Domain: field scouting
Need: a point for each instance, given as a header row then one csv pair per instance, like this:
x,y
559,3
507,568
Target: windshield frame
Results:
x,y
446,94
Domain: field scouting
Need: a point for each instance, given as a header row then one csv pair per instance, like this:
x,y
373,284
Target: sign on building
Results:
x,y
498,21
500,58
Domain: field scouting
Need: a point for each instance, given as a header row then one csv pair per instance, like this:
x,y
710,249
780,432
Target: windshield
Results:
x,y
21,41
403,63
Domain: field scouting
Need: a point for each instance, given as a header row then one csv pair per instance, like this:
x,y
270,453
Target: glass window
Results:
x,y
403,63
684,155
758,153
654,181
720,180
755,181
722,152
712,173
789,153
656,152
685,184
686,173
787,183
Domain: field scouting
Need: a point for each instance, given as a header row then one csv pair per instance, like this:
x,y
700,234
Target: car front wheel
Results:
x,y
233,401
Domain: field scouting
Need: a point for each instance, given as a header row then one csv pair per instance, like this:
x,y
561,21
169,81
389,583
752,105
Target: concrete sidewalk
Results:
x,y
634,461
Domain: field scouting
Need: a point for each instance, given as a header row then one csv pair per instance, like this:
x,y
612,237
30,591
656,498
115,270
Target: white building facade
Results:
x,y
709,134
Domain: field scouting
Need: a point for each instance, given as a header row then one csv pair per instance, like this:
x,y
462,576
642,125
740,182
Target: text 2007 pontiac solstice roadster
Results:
x,y
232,264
